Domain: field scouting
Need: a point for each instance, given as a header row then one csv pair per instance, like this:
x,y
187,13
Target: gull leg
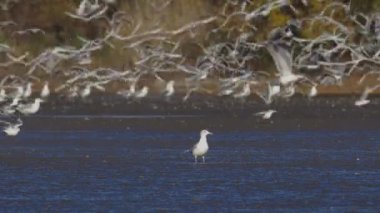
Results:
x,y
203,158
195,159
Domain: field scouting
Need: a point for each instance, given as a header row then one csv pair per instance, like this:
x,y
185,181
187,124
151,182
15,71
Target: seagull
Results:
x,y
128,93
15,102
363,100
245,92
273,90
169,90
200,149
313,91
27,91
86,8
266,114
142,93
13,129
284,62
83,8
30,108
227,91
8,110
86,91
289,91
45,92
3,96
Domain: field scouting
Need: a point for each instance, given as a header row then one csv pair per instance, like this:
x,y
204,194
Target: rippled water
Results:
x,y
132,169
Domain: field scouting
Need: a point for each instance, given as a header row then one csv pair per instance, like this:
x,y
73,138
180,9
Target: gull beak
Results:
x,y
210,133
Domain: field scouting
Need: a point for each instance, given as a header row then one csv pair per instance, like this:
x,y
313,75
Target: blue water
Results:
x,y
105,170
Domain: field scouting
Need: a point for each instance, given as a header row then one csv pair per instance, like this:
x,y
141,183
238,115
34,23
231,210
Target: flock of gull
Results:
x,y
306,52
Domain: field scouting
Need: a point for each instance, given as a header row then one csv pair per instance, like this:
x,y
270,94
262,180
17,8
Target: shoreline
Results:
x,y
218,114
198,104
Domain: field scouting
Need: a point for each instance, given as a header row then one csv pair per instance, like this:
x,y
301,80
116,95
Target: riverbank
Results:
x,y
219,114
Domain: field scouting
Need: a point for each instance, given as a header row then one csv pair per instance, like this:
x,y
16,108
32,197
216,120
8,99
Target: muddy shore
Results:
x,y
156,114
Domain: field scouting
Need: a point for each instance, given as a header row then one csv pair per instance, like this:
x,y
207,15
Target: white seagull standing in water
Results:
x,y
266,114
200,149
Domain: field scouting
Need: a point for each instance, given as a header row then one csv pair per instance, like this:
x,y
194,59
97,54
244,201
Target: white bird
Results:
x,y
30,108
28,90
289,78
128,93
227,91
201,148
289,91
83,8
245,92
273,90
15,102
283,61
95,6
266,114
86,91
142,93
8,110
169,90
3,96
363,100
45,92
313,91
13,129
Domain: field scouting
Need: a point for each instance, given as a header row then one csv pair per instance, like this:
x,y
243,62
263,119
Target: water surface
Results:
x,y
129,168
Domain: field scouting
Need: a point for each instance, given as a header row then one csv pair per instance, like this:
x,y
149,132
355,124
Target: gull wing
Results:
x,y
261,113
282,59
195,146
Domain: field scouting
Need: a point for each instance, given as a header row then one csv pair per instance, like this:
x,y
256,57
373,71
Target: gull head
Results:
x,y
38,100
205,132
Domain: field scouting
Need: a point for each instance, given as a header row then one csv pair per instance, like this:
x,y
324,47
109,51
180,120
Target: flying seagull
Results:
x,y
266,114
